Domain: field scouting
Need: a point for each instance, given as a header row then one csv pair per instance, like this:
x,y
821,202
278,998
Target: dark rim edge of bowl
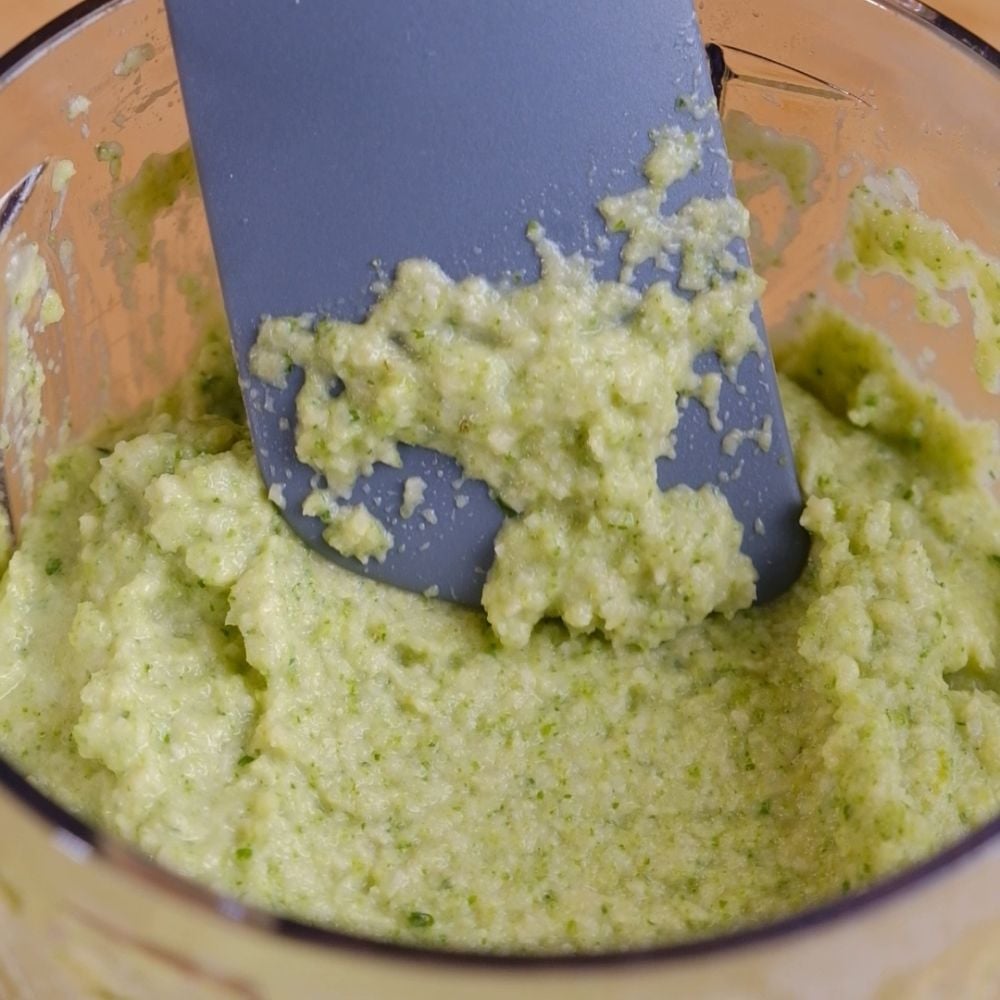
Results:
x,y
125,857
73,17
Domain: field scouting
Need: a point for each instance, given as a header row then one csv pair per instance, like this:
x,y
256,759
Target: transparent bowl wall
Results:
x,y
872,86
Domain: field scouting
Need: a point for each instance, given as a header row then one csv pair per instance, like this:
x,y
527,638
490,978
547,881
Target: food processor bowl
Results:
x,y
864,85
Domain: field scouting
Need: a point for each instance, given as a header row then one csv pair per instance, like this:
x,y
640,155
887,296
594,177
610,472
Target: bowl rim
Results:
x,y
83,842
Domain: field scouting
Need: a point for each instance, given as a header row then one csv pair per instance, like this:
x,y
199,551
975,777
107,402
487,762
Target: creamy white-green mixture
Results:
x,y
180,669
560,394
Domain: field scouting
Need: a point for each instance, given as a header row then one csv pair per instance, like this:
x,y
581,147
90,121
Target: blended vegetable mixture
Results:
x,y
560,394
180,669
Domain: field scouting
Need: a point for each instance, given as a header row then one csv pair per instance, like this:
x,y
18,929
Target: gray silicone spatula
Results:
x,y
331,134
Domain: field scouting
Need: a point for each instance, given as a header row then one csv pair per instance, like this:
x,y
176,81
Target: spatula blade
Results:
x,y
334,139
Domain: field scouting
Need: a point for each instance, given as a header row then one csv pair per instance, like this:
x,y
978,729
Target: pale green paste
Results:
x,y
350,528
182,671
480,371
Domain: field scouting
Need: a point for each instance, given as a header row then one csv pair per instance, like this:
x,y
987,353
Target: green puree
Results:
x,y
480,371
181,670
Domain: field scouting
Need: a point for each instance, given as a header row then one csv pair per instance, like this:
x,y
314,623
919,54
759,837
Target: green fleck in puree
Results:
x,y
181,670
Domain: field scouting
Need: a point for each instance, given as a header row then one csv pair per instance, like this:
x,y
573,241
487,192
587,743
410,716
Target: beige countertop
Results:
x,y
20,17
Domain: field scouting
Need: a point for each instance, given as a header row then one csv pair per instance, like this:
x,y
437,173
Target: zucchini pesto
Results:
x,y
180,669
478,371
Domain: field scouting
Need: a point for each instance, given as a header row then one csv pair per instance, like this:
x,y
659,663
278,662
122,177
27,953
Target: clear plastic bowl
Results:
x,y
872,84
